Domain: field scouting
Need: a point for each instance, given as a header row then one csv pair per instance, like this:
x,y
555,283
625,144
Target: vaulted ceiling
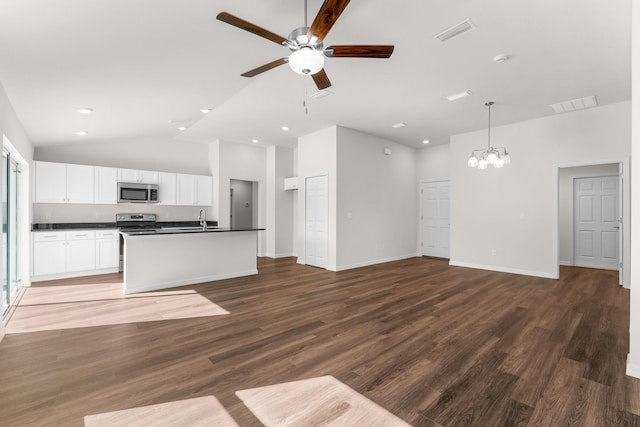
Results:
x,y
147,67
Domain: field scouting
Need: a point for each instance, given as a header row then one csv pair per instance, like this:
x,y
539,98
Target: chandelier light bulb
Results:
x,y
306,61
473,161
491,157
482,164
499,163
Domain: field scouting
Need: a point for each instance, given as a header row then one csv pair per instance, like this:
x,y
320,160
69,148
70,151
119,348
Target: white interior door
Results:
x,y
435,218
316,221
596,222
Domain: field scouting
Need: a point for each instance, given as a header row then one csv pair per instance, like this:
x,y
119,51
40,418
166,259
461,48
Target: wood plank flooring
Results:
x,y
433,344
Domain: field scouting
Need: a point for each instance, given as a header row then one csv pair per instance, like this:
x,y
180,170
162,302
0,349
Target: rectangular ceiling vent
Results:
x,y
320,94
455,31
575,104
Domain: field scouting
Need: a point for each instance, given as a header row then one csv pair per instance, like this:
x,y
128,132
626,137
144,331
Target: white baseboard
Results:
x,y
285,255
191,281
373,262
73,274
633,370
503,269
566,263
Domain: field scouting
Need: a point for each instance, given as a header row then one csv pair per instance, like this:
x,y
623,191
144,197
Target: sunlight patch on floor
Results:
x,y
317,401
198,412
80,306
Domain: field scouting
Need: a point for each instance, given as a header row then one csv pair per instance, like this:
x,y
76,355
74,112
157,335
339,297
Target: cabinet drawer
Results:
x,y
107,234
81,235
48,236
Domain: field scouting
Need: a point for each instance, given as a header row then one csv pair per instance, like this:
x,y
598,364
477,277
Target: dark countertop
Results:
x,y
106,225
187,230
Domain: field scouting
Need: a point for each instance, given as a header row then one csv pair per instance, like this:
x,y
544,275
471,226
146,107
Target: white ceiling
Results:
x,y
141,64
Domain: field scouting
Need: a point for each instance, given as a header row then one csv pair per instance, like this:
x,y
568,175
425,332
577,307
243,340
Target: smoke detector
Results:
x,y
499,59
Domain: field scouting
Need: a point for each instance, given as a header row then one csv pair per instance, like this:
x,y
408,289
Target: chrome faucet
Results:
x,y
202,217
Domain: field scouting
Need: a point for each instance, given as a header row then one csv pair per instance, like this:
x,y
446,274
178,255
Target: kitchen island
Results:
x,y
159,259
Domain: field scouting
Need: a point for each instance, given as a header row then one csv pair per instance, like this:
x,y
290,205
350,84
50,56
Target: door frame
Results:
x,y
625,197
421,213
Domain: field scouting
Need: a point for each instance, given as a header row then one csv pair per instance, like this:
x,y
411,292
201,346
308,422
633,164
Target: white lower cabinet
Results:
x,y
49,253
107,249
59,254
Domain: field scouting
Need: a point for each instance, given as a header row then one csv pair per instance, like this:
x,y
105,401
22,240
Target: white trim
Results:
x,y
633,370
190,281
566,263
503,269
626,215
373,262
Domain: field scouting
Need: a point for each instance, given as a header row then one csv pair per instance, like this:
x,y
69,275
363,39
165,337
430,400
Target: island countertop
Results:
x,y
185,230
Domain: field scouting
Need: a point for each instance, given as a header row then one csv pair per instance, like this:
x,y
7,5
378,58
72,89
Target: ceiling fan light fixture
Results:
x,y
306,61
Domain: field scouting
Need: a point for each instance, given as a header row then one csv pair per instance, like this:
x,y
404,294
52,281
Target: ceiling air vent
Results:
x,y
575,104
455,31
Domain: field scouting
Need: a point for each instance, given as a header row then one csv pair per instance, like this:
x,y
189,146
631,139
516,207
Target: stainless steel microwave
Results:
x,y
131,192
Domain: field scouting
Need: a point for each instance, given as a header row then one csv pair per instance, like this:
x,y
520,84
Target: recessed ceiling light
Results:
x,y
255,141
85,110
426,141
205,110
459,95
398,125
81,132
285,128
182,128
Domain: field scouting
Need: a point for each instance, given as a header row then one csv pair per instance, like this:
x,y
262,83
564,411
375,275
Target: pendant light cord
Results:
x,y
489,104
305,14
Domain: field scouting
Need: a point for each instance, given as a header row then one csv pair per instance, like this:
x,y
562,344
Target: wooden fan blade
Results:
x,y
362,51
248,26
265,67
327,16
321,79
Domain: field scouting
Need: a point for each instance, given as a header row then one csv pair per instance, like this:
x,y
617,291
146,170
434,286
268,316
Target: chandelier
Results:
x,y
494,156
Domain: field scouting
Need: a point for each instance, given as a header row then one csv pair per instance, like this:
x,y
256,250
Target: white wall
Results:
x,y
317,156
280,226
433,163
376,200
565,203
166,155
511,210
633,361
238,161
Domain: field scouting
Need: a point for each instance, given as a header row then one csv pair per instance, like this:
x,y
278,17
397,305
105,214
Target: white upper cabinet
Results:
x,y
134,175
167,188
204,187
67,183
105,185
194,190
63,183
186,189
50,182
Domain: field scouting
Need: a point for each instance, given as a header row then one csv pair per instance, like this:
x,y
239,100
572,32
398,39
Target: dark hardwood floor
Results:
x,y
433,344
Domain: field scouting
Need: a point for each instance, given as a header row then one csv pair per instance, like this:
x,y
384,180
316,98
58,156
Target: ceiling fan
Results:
x,y
305,43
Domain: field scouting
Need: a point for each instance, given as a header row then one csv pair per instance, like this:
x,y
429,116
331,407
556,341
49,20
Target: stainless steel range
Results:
x,y
135,222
